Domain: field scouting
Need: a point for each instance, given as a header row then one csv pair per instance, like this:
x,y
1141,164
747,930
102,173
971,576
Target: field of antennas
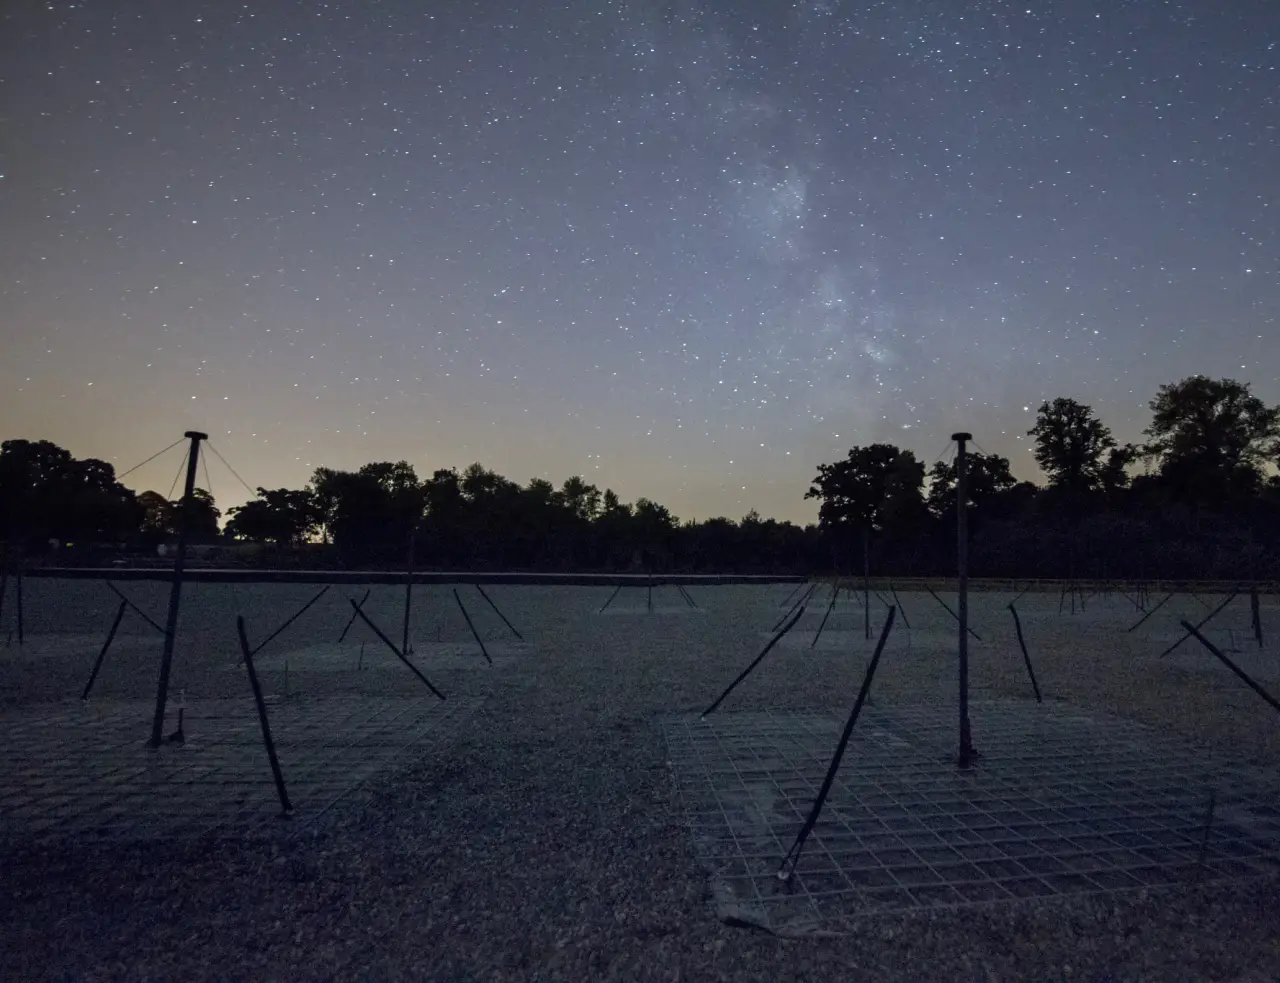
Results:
x,y
521,780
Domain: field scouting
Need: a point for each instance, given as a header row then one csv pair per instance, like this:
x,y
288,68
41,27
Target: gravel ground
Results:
x,y
544,842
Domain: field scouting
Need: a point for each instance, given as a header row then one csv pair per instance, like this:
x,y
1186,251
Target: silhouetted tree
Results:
x,y
988,481
479,484
1211,439
444,535
713,544
1114,476
324,487
399,483
1071,444
875,490
368,513
582,499
614,544
283,516
872,488
652,528
612,504
156,519
1210,509
202,516
47,493
442,494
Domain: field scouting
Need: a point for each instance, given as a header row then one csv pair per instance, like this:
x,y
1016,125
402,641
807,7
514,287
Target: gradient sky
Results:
x,y
686,250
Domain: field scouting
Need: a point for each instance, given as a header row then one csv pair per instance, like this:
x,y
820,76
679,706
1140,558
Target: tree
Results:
x,y
283,516
1115,472
540,493
712,544
442,494
46,493
875,487
653,516
404,496
613,505
257,522
1211,443
613,534
1211,438
397,478
298,515
366,512
651,532
582,499
161,518
202,517
324,494
987,480
1070,444
156,518
875,491
479,484
444,540
95,507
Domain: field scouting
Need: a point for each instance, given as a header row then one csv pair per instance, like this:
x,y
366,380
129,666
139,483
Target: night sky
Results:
x,y
689,251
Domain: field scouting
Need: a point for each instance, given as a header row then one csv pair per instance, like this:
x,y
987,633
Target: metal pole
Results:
x,y
792,859
408,595
391,645
352,620
1207,618
292,618
175,588
866,584
835,594
1163,602
747,671
1193,630
611,597
946,607
474,634
115,626
499,613
962,558
898,603
799,588
286,807
1017,624
133,607
804,598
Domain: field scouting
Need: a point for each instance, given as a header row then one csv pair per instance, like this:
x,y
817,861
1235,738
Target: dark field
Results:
x,y
553,818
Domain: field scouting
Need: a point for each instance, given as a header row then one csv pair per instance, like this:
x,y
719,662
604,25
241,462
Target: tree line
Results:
x,y
1200,498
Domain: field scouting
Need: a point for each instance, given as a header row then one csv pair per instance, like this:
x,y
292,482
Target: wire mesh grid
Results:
x,y
429,656
1060,803
85,771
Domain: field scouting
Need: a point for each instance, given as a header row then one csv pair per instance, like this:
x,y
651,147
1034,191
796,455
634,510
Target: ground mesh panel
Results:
x,y
374,656
1059,803
85,770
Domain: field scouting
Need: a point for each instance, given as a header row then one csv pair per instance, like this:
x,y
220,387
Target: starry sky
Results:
x,y
687,250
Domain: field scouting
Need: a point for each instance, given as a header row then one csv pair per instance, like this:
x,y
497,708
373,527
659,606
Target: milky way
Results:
x,y
689,251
